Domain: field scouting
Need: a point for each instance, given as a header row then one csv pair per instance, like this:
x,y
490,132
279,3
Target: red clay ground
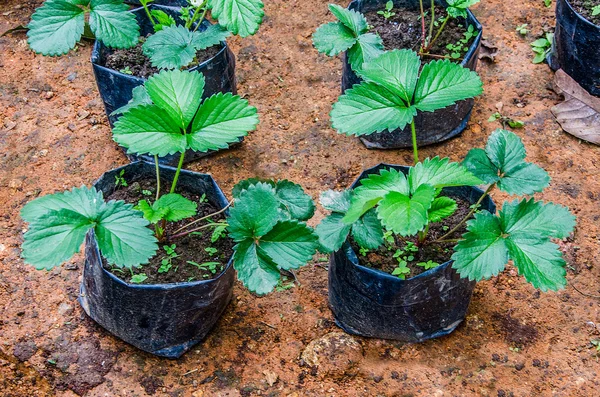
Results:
x,y
515,341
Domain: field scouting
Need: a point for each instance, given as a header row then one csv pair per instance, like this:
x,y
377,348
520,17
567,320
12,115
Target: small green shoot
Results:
x,y
126,70
167,262
401,271
428,265
387,13
211,267
211,251
522,29
119,180
363,251
146,192
138,278
596,343
596,10
547,3
505,120
542,47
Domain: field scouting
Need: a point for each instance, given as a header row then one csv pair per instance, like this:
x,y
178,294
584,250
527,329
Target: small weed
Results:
x,y
146,192
120,180
138,278
522,29
548,3
126,70
167,262
541,47
211,251
461,47
212,267
428,265
387,13
363,251
505,120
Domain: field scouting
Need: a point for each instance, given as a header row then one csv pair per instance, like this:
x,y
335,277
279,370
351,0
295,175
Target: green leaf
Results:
x,y
480,165
505,150
163,19
332,38
213,35
440,173
397,71
246,183
526,178
241,17
150,214
336,201
221,120
332,232
171,48
297,203
406,215
255,212
368,46
82,200
255,268
482,253
442,83
458,8
138,278
353,20
530,217
149,129
540,262
174,207
441,208
366,108
177,92
373,189
55,27
112,24
367,231
290,244
140,97
54,238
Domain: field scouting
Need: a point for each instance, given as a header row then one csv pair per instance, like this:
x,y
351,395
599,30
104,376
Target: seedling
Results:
x,y
211,251
401,271
119,180
387,13
138,278
351,34
542,47
167,261
522,29
408,204
211,267
596,344
126,70
393,91
461,47
363,251
58,25
428,265
547,3
596,10
505,120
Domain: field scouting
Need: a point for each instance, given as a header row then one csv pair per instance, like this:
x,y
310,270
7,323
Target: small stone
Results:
x,y
49,95
9,125
82,114
72,76
71,127
271,377
65,309
71,266
43,152
335,354
395,375
15,183
519,366
198,393
377,379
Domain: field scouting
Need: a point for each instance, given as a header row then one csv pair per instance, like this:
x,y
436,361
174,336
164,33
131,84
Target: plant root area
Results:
x,y
515,341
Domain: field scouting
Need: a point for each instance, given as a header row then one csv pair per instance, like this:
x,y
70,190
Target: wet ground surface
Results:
x,y
515,341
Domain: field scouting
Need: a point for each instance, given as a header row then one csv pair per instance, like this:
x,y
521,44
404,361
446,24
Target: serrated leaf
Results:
x,y
297,203
353,20
458,8
246,183
150,214
241,17
443,83
171,48
332,38
222,119
368,46
83,200
505,150
174,207
440,173
163,19
213,35
480,165
290,244
149,129
406,215
373,189
140,97
396,71
441,208
482,253
254,213
540,262
255,268
112,24
177,92
367,231
530,217
332,232
55,27
526,179
336,201
366,108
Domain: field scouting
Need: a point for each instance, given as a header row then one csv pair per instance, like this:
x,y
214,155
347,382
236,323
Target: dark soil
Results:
x,y
584,7
403,30
382,258
140,65
188,248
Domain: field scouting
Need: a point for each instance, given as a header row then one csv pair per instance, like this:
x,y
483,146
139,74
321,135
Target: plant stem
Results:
x,y
199,228
466,218
204,217
145,5
177,172
157,177
201,19
414,141
439,32
434,55
431,23
422,26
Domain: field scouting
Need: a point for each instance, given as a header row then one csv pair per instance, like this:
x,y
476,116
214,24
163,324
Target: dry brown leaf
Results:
x,y
488,51
579,114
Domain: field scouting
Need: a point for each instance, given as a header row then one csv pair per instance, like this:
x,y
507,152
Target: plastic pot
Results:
x,y
576,47
372,303
116,88
432,127
160,2
162,319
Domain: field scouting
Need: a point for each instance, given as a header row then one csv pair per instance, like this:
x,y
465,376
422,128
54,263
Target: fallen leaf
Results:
x,y
579,114
488,51
271,377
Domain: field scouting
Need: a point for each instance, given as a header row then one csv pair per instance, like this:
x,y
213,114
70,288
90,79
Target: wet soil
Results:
x,y
403,30
584,7
196,247
139,64
383,257
54,135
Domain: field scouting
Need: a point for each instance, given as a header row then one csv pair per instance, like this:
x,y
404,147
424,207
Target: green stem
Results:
x,y
201,19
198,228
157,177
177,172
194,17
414,141
466,218
145,5
432,21
439,32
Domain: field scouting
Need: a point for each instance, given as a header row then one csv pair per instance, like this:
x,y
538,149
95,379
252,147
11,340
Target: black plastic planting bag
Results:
x,y
162,319
116,88
432,127
161,2
373,303
576,47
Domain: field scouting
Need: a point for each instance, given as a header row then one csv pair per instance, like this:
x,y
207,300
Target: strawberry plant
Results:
x,y
406,205
351,34
393,91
